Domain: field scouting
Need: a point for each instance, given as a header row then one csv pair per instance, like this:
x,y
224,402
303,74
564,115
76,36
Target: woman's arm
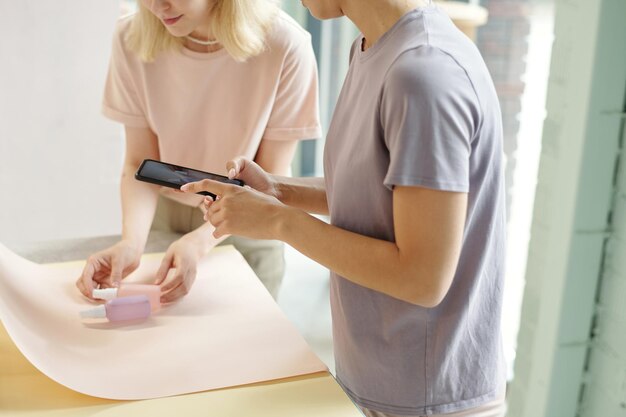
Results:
x,y
139,199
418,267
111,265
274,157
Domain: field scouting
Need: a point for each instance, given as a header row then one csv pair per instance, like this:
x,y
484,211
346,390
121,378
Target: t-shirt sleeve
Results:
x,y
121,98
295,112
429,115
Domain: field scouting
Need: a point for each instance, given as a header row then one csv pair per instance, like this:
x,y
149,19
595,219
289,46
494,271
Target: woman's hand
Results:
x,y
252,174
107,268
240,210
182,256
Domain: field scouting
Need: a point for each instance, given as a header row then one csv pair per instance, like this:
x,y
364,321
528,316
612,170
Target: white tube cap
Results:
x,y
94,313
104,293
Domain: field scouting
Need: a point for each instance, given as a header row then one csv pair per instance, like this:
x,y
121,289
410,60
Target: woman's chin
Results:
x,y
177,32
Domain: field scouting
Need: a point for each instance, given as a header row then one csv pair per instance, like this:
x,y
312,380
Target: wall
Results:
x,y
604,392
59,158
575,195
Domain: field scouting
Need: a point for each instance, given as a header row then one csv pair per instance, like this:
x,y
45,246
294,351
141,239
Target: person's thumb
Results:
x,y
117,269
236,166
163,269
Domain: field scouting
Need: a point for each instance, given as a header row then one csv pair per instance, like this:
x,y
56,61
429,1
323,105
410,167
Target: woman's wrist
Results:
x,y
202,238
134,243
286,221
277,187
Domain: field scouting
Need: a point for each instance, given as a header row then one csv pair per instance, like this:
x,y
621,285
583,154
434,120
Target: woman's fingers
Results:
x,y
206,205
117,269
86,283
174,294
164,268
173,283
235,166
81,287
179,286
213,187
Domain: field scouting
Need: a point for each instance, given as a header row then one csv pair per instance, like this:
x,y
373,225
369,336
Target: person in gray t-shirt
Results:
x,y
414,188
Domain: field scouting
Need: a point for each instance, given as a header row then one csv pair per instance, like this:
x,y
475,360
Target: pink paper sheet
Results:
x,y
227,331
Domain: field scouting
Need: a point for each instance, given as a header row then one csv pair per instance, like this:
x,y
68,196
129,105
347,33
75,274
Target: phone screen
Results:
x,y
175,176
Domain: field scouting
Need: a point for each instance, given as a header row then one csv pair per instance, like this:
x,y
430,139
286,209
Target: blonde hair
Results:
x,y
241,26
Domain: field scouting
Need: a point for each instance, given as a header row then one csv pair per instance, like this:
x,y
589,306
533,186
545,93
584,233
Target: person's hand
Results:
x,y
182,256
252,174
239,210
107,268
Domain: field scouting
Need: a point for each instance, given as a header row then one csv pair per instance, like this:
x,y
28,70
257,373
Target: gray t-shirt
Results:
x,y
419,109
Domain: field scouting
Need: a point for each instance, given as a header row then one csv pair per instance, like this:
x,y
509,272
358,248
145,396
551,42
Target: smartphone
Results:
x,y
175,176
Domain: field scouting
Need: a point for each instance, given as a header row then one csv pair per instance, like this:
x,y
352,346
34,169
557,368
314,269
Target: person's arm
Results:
x,y
304,193
139,199
275,156
109,266
183,256
268,174
417,268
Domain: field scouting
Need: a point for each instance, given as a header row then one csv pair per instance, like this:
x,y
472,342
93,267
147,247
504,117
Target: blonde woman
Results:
x,y
195,83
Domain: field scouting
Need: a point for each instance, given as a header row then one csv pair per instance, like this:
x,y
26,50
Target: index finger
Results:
x,y
87,280
213,187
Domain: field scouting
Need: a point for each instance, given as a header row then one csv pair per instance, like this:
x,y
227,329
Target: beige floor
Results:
x,y
304,298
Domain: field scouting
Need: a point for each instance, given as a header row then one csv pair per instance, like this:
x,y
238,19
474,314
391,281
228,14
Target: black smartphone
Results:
x,y
175,176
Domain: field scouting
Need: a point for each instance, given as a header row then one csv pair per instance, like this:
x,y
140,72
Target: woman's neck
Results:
x,y
197,47
202,33
375,17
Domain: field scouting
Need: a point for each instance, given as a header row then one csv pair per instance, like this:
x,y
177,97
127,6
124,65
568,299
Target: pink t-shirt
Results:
x,y
207,108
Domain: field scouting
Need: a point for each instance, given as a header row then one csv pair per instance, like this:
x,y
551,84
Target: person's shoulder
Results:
x,y
286,34
427,69
120,34
122,26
